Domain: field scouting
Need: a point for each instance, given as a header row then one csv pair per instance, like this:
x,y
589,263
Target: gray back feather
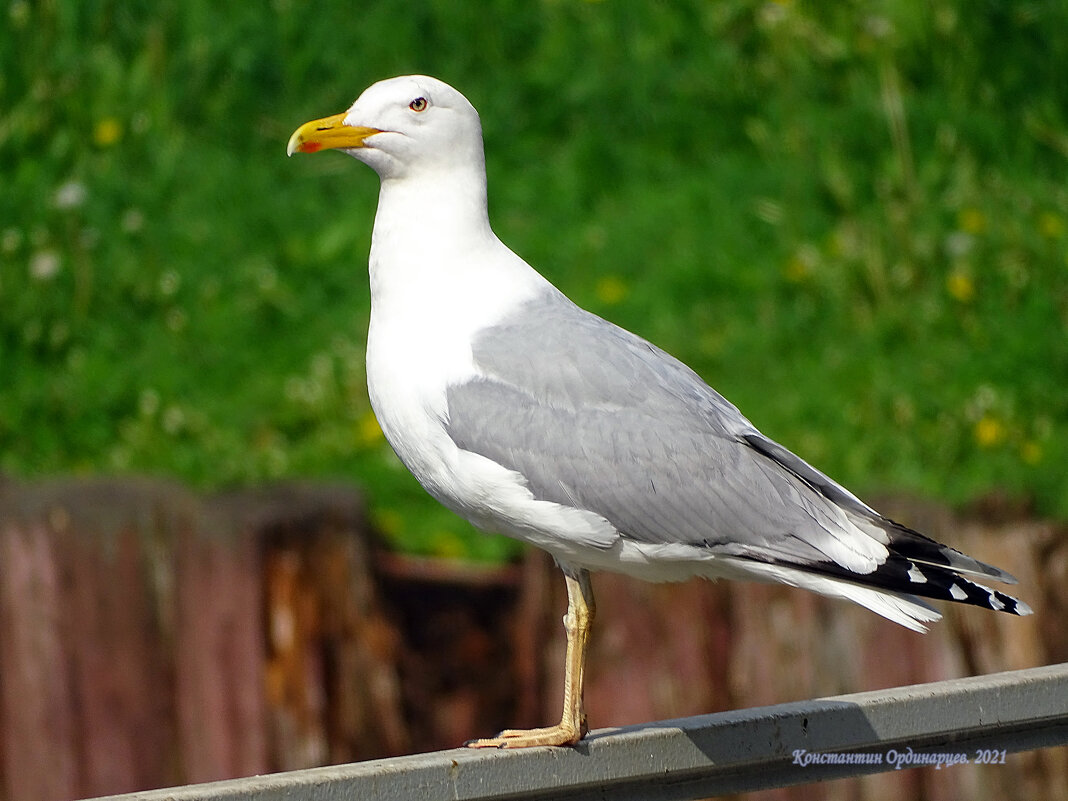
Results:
x,y
597,418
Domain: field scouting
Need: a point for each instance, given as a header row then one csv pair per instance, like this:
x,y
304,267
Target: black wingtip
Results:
x,y
908,577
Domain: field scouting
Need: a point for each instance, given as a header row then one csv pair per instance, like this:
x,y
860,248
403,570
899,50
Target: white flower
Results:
x,y
133,220
70,195
169,282
176,319
173,419
44,266
266,279
959,244
10,240
148,403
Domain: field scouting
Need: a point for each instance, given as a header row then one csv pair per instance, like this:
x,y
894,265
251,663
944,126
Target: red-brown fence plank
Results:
x,y
150,637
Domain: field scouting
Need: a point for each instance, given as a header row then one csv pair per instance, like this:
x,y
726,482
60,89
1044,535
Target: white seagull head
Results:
x,y
411,125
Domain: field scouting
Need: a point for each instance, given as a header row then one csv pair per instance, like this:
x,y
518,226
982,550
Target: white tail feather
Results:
x,y
907,610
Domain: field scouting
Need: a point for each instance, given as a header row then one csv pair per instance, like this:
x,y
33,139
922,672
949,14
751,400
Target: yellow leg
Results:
x,y
572,725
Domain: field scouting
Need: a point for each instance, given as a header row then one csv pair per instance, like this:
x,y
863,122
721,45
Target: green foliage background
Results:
x,y
851,218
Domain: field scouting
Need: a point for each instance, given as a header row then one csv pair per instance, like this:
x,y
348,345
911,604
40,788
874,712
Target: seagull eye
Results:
x,y
419,104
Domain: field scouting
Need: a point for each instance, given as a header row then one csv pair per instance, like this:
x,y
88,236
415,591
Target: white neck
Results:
x,y
434,202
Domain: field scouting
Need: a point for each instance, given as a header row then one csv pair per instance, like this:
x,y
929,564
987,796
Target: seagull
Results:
x,y
533,418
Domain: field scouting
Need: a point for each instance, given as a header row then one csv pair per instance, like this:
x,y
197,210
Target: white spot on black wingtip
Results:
x,y
994,602
956,593
916,575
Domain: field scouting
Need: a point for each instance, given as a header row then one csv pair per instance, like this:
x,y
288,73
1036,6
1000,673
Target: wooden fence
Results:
x,y
152,637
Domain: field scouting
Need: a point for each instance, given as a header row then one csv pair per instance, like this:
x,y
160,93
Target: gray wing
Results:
x,y
596,418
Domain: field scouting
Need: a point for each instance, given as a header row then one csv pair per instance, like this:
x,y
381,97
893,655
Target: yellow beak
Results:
x,y
327,133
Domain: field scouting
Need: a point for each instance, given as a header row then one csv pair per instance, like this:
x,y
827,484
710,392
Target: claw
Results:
x,y
528,738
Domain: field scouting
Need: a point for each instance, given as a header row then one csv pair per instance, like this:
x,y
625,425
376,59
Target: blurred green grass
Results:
x,y
851,218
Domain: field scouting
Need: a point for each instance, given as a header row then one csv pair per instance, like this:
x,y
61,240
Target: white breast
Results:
x,y
426,306
431,293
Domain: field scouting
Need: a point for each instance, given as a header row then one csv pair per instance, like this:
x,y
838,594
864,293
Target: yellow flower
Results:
x,y
796,270
610,289
447,545
107,132
389,521
989,432
803,263
960,286
1031,452
971,220
1050,225
368,431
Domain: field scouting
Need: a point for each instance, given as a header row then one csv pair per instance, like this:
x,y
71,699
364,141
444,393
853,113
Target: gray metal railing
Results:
x,y
945,723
